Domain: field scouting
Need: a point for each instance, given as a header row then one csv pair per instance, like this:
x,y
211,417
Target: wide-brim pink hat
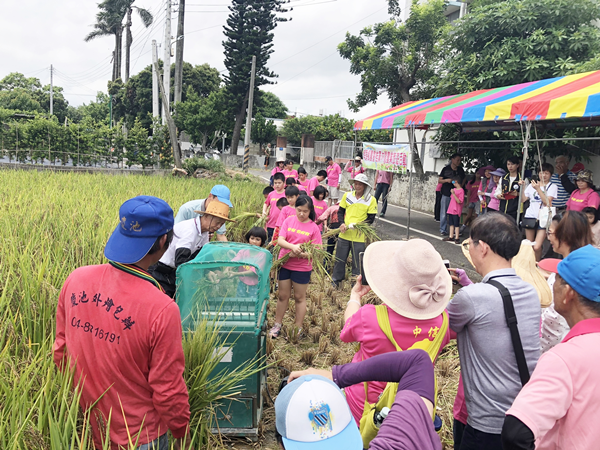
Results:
x,y
409,277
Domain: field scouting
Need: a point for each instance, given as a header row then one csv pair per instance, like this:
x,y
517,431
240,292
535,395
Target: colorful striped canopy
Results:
x,y
570,97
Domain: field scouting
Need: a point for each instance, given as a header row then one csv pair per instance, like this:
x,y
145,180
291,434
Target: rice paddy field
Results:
x,y
54,222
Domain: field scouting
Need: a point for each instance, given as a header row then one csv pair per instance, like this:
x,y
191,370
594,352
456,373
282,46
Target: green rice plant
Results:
x,y
204,348
52,223
362,228
318,257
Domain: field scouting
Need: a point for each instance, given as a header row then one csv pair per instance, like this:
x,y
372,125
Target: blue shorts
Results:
x,y
453,220
295,275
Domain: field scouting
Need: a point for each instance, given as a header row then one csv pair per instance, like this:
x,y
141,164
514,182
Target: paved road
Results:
x,y
423,225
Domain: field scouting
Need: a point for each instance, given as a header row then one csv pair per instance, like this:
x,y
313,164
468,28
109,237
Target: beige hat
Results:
x,y
409,277
525,267
217,209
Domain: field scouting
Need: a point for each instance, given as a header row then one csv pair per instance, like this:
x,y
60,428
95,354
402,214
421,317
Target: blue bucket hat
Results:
x,y
222,193
142,220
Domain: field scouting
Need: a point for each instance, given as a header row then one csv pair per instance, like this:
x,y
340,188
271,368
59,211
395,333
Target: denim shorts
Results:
x,y
295,275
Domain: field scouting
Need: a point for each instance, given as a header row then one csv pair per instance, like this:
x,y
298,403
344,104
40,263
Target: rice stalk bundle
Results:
x,y
308,357
315,254
363,228
261,222
323,342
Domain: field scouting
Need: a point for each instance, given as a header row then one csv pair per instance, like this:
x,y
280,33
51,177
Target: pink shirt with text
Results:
x,y
333,175
290,173
250,280
320,208
275,170
578,201
312,184
274,211
296,232
454,207
286,211
362,327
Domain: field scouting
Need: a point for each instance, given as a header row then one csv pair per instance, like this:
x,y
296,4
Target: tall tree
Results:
x,y
147,19
513,41
249,32
109,22
202,118
397,58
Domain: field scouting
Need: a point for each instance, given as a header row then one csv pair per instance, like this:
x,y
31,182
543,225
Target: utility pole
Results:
x,y
170,124
249,117
51,90
167,62
155,110
179,52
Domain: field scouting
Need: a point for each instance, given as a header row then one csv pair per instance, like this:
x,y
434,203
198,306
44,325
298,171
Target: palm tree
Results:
x,y
109,22
147,20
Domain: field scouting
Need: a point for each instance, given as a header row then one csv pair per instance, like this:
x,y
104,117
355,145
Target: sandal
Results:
x,y
275,331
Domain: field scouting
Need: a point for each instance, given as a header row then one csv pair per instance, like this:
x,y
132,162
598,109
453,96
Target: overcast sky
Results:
x,y
312,75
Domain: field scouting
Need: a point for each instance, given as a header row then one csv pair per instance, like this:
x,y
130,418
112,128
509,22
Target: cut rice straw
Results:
x,y
362,228
318,257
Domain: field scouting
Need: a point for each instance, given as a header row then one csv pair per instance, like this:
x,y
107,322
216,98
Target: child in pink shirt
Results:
x,y
289,170
319,203
457,199
295,230
269,205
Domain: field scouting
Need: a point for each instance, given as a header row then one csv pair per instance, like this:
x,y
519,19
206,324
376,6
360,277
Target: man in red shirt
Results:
x,y
122,335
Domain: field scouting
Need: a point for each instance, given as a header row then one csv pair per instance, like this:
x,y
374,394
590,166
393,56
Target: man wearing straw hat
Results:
x,y
121,335
190,236
356,206
195,208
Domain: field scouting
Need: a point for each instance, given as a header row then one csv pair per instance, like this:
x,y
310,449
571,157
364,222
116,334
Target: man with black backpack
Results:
x,y
496,357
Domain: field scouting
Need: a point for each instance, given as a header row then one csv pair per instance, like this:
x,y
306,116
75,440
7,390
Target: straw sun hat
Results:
x,y
409,277
217,209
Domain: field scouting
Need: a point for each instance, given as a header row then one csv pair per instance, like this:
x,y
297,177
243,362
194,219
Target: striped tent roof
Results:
x,y
568,97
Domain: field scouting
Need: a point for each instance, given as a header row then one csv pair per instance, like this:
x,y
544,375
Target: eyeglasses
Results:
x,y
466,244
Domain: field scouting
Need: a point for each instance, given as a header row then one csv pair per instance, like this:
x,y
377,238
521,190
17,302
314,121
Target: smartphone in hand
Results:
x,y
362,269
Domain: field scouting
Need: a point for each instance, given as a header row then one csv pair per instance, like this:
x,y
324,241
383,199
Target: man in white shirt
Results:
x,y
189,237
195,208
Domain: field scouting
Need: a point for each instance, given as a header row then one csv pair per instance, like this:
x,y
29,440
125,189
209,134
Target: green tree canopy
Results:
x,y
203,118
249,32
398,59
514,41
269,105
263,131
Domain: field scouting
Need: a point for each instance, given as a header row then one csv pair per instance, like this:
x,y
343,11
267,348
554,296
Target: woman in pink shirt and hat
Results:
x,y
414,285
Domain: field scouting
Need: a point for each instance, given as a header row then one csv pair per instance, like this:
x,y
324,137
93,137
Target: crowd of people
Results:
x,y
527,379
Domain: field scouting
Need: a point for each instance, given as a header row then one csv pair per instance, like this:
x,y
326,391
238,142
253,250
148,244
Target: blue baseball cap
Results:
x,y
580,270
142,219
222,193
312,413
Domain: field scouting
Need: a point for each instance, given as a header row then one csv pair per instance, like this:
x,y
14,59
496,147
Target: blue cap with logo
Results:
x,y
312,413
142,219
222,193
580,270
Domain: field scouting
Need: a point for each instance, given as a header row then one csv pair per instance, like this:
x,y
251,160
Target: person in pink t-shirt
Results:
x,y
294,231
289,170
270,207
319,203
555,410
584,196
303,178
291,194
354,167
279,166
315,181
457,199
414,286
383,186
334,172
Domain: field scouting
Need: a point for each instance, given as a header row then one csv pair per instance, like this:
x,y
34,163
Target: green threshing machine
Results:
x,y
228,283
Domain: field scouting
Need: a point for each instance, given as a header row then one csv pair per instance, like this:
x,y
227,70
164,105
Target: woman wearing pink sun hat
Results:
x,y
414,286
